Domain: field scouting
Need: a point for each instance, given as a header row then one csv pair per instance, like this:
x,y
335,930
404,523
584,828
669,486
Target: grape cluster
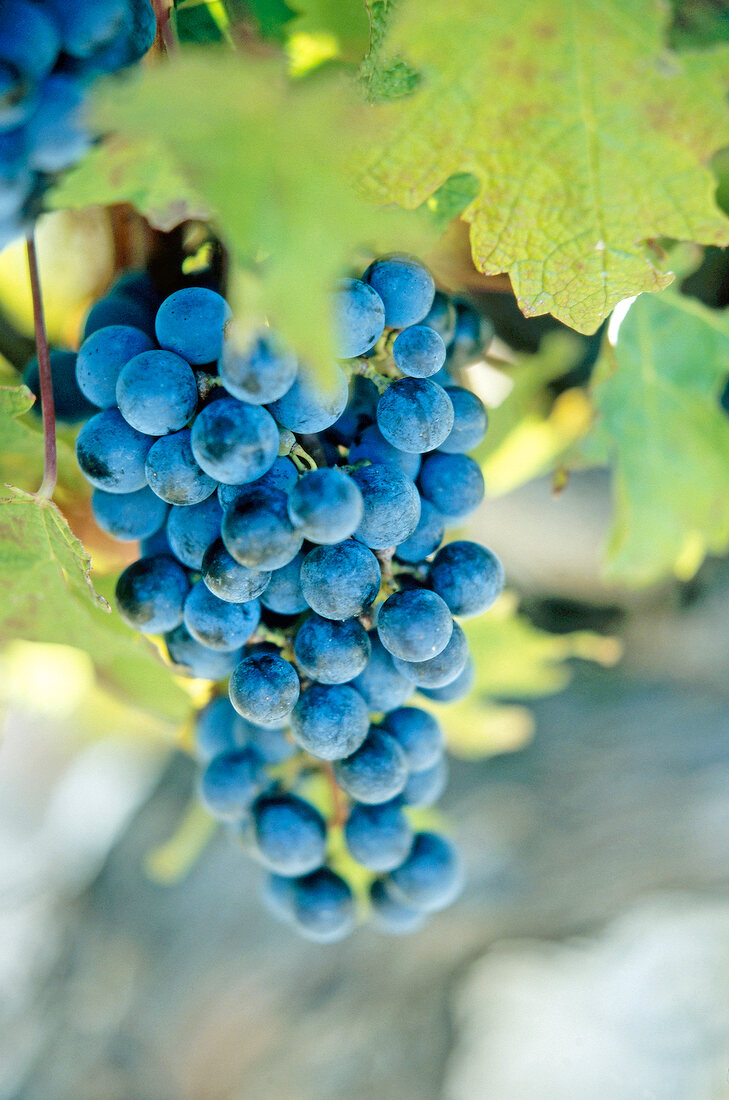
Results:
x,y
291,528
50,50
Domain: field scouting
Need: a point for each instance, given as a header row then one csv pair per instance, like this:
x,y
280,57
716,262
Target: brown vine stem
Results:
x,y
50,465
162,9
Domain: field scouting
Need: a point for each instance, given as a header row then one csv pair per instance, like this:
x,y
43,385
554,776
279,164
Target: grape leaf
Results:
x,y
344,21
21,448
656,393
587,138
383,75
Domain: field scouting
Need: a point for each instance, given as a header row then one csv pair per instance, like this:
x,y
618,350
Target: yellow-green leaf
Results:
x,y
588,138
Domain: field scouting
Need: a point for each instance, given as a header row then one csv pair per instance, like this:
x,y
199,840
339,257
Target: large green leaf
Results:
x,y
657,397
587,137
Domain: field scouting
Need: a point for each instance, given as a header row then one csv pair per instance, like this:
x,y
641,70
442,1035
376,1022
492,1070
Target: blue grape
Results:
x,y
192,528
86,27
172,472
102,357
405,287
313,403
55,132
156,392
231,782
419,735
392,915
414,624
69,402
427,536
228,580
360,411
150,594
419,351
326,505
283,593
271,743
431,877
257,531
128,516
191,322
457,689
426,786
289,834
359,317
470,421
452,483
441,670
282,475
415,415
158,543
379,837
112,454
218,729
322,906
330,721
375,772
138,285
277,895
233,442
219,624
472,334
340,582
194,659
380,684
391,506
120,309
29,38
261,373
372,445
131,44
264,688
467,576
331,652
442,317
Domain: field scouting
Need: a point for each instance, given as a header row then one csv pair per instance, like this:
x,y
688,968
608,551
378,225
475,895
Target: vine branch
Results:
x,y
50,462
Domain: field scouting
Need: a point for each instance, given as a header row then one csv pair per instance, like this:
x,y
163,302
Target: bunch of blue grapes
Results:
x,y
50,50
292,530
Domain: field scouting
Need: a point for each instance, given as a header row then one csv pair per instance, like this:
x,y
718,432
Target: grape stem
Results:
x,y
50,462
340,810
162,9
300,457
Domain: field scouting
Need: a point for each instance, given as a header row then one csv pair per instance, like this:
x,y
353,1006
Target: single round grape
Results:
x,y
283,593
441,670
419,351
414,624
130,45
323,906
260,373
257,531
120,309
219,624
379,837
359,317
69,401
231,782
326,505
264,688
112,454
289,834
150,594
380,684
30,38
156,392
172,472
128,516
228,580
282,475
330,721
427,536
452,483
340,582
373,446
442,317
431,877
418,733
233,442
192,528
391,506
390,914
467,576
376,772
218,728
86,28
55,131
137,284
191,322
470,421
313,403
405,287
426,786
194,659
415,415
457,689
331,652
102,357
